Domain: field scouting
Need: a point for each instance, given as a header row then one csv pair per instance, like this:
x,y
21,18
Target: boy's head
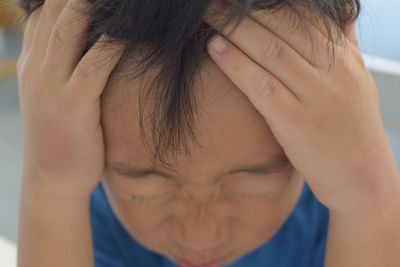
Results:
x,y
202,211
169,110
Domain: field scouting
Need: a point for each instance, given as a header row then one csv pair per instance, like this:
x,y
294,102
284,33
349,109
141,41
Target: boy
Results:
x,y
271,113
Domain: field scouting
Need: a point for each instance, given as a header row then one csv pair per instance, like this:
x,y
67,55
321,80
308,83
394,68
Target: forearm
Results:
x,y
367,239
54,228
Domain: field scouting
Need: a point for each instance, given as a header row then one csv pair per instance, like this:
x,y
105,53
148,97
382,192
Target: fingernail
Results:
x,y
218,44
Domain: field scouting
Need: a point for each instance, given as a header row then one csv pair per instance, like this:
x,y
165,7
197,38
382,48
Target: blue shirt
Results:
x,y
300,242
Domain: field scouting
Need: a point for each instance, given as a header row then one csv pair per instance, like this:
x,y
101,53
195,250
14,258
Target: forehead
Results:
x,y
228,128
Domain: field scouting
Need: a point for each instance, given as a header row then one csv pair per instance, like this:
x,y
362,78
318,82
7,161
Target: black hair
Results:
x,y
172,37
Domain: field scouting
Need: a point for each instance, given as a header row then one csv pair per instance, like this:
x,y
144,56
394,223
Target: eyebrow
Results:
x,y
129,171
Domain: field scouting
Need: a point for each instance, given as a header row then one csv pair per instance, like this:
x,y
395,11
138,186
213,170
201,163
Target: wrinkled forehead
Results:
x,y
227,126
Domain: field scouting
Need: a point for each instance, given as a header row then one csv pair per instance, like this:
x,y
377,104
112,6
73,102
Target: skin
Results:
x,y
200,224
316,113
327,123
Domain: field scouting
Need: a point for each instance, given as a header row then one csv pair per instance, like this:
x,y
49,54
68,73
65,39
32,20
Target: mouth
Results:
x,y
214,263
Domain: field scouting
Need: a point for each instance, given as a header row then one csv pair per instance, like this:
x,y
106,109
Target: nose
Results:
x,y
199,230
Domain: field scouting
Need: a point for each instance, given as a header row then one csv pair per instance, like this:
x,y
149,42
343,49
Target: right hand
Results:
x,y
59,96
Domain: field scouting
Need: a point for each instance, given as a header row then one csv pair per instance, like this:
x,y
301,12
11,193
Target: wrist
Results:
x,y
382,200
53,188
367,238
53,220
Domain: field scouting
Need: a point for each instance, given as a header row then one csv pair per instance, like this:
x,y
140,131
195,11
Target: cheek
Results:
x,y
263,219
140,221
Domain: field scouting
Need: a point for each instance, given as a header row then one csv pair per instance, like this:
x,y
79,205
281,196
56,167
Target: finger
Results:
x,y
51,10
269,96
304,37
272,53
311,20
350,33
30,29
67,39
94,69
350,29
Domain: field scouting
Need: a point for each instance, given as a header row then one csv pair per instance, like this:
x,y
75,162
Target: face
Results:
x,y
214,205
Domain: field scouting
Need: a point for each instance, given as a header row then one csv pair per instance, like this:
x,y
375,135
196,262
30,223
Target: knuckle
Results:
x,y
86,69
55,7
58,32
265,85
272,49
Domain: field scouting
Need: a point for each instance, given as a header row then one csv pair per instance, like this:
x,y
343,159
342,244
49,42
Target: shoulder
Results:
x,y
104,231
310,217
310,208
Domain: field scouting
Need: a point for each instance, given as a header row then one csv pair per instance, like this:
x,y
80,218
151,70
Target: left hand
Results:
x,y
328,122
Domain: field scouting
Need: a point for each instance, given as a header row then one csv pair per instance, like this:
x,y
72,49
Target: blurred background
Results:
x,y
377,31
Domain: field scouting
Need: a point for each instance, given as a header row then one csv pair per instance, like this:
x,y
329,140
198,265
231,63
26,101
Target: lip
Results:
x,y
215,263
